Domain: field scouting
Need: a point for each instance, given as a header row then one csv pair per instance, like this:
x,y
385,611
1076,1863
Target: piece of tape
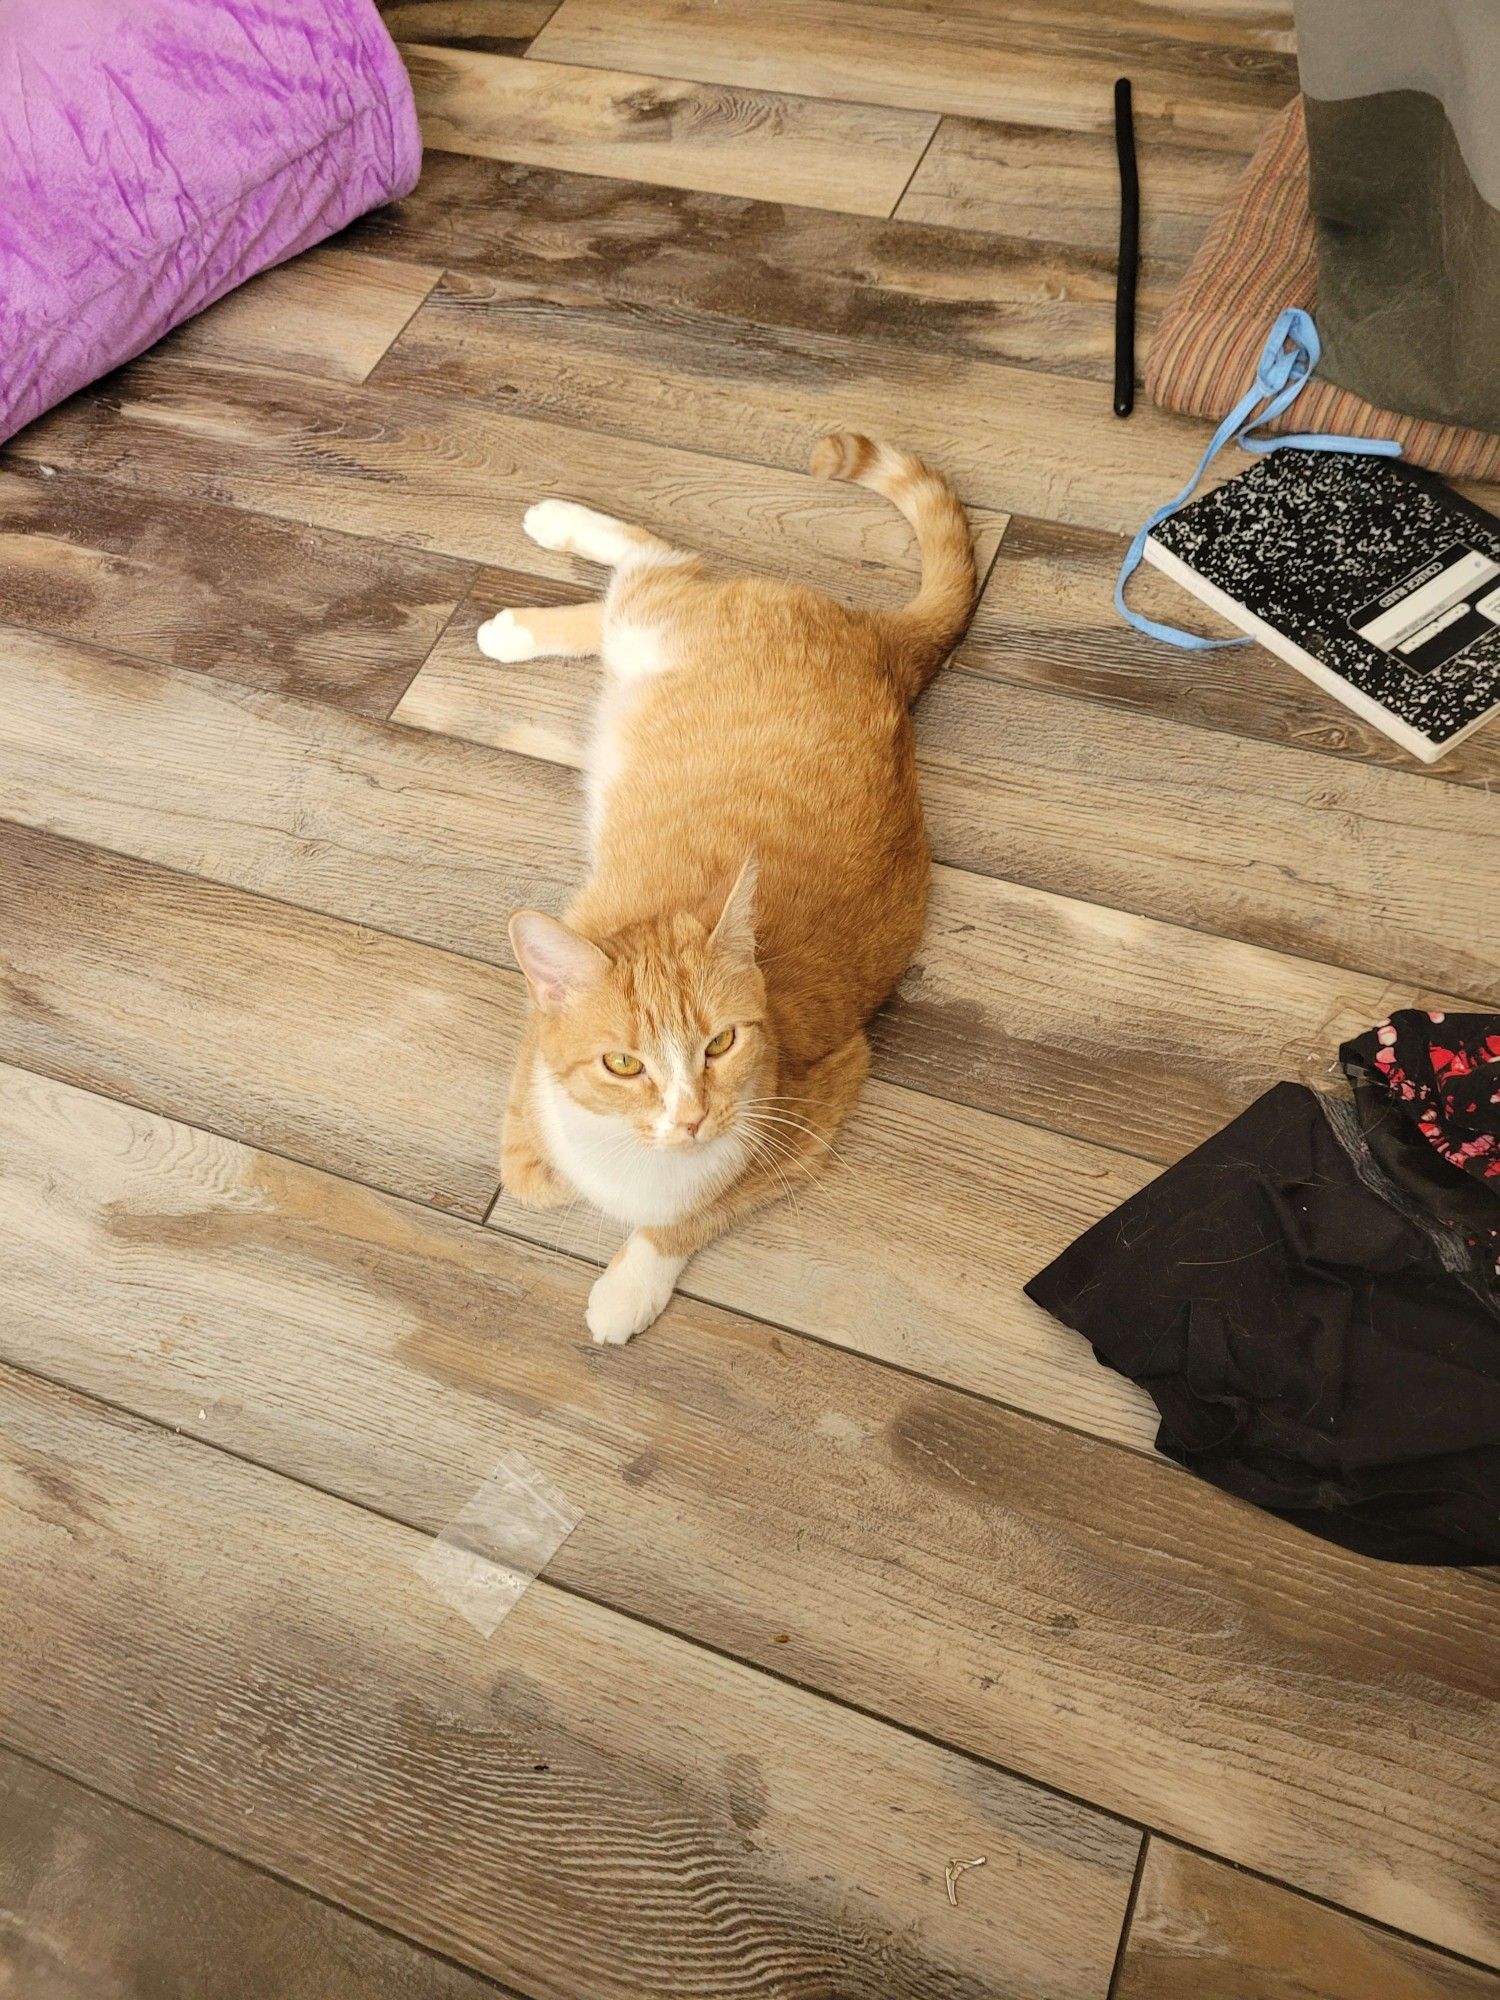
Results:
x,y
498,1542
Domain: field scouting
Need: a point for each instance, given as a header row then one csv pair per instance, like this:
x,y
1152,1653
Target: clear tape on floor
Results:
x,y
498,1542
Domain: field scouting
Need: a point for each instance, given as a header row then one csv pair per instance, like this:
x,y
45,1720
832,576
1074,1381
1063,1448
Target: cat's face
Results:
x,y
664,1033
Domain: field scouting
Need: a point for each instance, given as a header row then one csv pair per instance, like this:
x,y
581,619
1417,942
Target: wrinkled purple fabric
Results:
x,y
156,153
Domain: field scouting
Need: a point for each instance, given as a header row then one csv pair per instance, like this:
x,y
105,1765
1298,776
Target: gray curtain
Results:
x,y
1403,130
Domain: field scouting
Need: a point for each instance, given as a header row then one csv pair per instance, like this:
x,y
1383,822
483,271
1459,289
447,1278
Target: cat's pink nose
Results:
x,y
690,1126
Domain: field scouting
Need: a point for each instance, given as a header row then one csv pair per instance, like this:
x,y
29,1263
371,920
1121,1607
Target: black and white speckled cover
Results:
x,y
1319,546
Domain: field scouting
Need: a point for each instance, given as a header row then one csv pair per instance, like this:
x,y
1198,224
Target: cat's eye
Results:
x,y
722,1043
620,1064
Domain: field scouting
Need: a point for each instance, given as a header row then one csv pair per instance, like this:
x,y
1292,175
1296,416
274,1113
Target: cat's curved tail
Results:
x,y
929,627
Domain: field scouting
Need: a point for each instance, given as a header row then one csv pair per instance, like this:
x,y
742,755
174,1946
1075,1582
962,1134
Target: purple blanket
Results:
x,y
156,153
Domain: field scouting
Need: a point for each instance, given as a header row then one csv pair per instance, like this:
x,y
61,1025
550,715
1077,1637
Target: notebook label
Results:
x,y
1435,612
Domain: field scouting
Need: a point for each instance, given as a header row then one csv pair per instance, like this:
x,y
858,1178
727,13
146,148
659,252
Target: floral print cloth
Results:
x,y
1427,1086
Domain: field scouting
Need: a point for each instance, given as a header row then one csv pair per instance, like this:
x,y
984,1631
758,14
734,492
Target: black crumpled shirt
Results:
x,y
1308,1339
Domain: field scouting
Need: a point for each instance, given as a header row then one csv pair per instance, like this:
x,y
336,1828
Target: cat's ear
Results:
x,y
558,964
734,925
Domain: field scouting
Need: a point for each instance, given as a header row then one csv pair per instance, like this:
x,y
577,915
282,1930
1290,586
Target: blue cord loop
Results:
x,y
1287,359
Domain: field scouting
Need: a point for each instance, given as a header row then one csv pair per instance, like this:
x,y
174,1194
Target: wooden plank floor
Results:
x,y
877,1570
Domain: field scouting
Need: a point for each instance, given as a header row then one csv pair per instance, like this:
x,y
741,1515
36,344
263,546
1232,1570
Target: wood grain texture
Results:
x,y
1080,1614
457,477
271,605
646,127
101,1903
493,27
1049,621
574,239
1335,861
375,1057
1006,436
1247,24
580,1804
1064,187
284,316
1025,65
1242,839
399,829
1113,1027
1202,1931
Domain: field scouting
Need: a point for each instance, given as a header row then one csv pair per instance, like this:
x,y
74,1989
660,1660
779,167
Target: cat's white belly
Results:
x,y
627,1177
604,758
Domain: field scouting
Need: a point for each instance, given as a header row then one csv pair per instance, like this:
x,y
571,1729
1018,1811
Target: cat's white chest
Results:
x,y
635,1182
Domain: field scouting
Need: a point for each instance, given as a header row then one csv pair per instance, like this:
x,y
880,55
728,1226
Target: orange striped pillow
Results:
x,y
1259,256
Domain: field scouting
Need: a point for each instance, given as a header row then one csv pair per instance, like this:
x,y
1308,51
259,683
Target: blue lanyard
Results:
x,y
1287,359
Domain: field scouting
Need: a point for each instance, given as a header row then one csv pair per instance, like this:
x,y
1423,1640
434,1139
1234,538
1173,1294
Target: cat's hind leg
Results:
x,y
579,531
533,632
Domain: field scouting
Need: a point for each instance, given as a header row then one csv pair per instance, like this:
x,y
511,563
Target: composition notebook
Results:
x,y
1373,578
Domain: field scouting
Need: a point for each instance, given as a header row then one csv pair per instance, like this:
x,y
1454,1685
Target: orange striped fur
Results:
x,y
759,877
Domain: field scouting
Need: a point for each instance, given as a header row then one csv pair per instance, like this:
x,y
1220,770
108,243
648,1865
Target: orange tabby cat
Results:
x,y
759,877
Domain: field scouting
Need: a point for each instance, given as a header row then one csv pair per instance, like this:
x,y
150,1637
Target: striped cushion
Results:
x,y
1257,258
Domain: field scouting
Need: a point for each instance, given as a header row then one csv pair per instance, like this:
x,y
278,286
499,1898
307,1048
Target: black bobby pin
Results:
x,y
1130,251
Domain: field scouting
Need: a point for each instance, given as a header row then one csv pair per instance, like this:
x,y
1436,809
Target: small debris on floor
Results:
x,y
956,1868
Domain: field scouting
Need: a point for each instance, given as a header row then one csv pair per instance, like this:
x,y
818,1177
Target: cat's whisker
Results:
x,y
767,1158
779,1155
808,1131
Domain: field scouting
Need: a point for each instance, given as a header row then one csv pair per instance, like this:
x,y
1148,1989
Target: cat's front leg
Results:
x,y
637,1285
531,1179
632,1291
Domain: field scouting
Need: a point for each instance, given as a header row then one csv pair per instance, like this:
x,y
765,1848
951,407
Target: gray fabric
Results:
x,y
1446,49
1403,128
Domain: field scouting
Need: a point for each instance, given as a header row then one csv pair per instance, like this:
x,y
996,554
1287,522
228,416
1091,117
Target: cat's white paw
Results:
x,y
554,524
501,638
631,1293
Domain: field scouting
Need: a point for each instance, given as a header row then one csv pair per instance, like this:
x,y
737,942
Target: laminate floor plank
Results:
x,y
1007,436
582,240
1050,66
1203,1931
282,316
367,1054
1057,186
266,603
491,27
1240,838
398,829
728,140
103,1903
456,478
579,1804
1074,1612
